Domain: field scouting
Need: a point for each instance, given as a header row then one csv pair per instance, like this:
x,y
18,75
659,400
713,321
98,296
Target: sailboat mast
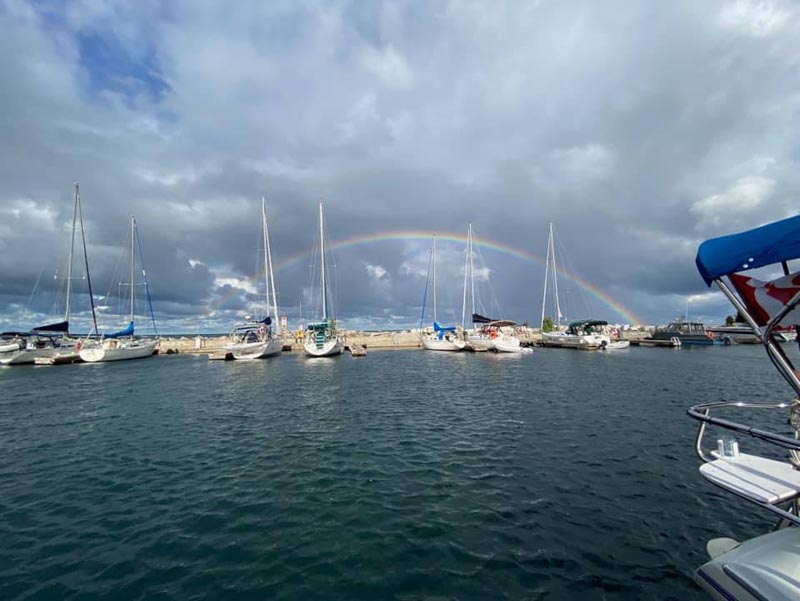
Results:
x,y
71,254
434,277
268,259
133,261
471,269
464,299
546,276
322,266
555,273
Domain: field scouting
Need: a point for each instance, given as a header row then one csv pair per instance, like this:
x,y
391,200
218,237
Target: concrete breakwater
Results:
x,y
293,341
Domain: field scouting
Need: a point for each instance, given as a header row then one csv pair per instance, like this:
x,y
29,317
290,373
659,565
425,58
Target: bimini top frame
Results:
x,y
771,244
720,261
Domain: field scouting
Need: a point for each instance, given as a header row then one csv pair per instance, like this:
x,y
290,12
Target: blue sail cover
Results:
x,y
442,329
126,332
765,245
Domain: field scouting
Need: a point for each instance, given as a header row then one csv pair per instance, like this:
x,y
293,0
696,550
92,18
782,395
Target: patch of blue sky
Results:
x,y
111,67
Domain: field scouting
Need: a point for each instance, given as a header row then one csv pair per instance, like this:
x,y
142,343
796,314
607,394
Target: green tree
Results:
x,y
729,320
547,324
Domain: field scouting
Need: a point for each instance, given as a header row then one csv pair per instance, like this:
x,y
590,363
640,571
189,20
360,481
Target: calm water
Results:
x,y
403,475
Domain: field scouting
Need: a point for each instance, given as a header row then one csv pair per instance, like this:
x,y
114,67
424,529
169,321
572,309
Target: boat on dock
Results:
x,y
585,334
486,333
322,338
690,333
256,339
768,474
52,341
124,345
439,338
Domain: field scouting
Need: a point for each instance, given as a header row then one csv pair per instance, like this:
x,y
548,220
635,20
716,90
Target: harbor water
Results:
x,y
402,475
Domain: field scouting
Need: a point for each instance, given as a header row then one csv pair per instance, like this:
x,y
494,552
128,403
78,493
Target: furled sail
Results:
x,y
477,318
61,326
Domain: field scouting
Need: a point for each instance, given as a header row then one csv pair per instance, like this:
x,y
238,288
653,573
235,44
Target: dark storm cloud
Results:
x,y
639,129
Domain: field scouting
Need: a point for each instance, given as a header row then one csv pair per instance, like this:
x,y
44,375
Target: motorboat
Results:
x,y
688,332
585,335
766,475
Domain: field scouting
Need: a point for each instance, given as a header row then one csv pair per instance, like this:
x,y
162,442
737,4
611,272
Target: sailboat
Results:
x,y
255,339
122,345
52,342
444,338
487,334
322,338
586,334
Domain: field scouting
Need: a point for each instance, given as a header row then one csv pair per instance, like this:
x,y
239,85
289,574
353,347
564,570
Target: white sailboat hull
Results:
x,y
246,351
121,352
329,348
617,345
434,344
506,344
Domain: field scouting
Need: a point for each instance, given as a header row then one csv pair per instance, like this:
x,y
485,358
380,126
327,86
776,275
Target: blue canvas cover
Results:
x,y
126,332
765,245
440,330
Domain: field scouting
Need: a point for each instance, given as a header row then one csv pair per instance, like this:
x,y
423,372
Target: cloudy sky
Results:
x,y
638,129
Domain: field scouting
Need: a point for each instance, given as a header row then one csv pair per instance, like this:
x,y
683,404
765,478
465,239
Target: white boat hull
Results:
x,y
120,352
478,345
506,344
329,348
617,345
246,351
434,344
26,355
764,567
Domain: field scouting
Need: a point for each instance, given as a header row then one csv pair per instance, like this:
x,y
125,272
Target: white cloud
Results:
x,y
377,272
389,66
742,197
757,18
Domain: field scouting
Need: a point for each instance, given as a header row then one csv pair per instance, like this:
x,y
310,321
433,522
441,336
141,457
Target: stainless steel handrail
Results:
x,y
702,413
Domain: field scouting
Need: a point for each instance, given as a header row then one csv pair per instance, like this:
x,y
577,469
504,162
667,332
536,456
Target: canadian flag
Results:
x,y
766,299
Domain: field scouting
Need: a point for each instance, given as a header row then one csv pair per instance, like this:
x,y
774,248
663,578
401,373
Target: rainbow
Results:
x,y
412,235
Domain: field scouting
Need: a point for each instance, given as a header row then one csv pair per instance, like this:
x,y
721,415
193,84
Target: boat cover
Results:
x,y
442,329
585,323
61,326
126,332
765,245
477,318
